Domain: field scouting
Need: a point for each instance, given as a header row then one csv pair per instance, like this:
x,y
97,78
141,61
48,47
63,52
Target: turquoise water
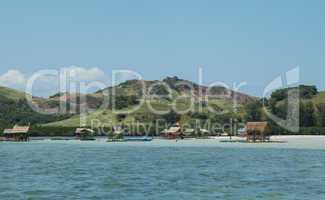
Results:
x,y
70,170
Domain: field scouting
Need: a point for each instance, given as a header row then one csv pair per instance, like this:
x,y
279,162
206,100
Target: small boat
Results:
x,y
59,138
87,139
116,140
138,139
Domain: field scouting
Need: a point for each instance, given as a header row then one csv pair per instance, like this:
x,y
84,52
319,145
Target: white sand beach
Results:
x,y
292,141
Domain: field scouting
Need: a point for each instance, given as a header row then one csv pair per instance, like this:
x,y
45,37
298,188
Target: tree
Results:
x,y
120,117
305,92
200,115
321,114
123,101
171,117
254,111
19,112
307,114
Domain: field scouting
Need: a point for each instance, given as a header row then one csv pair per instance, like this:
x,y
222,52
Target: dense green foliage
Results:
x,y
15,110
305,92
311,112
307,114
39,131
254,111
19,112
123,101
321,114
171,117
159,90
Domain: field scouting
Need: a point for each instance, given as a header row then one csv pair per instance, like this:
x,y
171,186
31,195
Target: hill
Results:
x,y
14,109
178,87
180,95
11,94
159,98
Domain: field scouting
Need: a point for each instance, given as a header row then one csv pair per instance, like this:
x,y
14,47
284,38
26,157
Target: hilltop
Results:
x,y
160,98
178,87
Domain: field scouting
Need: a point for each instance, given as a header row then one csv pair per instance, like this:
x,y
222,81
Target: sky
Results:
x,y
252,41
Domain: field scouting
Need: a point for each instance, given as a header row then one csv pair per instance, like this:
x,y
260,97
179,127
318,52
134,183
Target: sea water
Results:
x,y
159,170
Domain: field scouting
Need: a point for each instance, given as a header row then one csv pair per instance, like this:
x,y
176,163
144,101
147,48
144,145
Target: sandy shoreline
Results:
x,y
288,141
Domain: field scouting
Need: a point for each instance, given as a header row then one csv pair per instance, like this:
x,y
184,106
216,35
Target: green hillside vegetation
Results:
x,y
14,108
11,94
145,115
312,109
19,112
319,98
128,94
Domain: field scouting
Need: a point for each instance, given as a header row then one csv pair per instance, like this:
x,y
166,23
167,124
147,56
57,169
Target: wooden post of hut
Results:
x,y
17,133
257,132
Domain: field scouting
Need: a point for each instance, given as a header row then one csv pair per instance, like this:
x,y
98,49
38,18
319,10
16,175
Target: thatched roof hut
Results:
x,y
85,134
204,131
82,130
257,131
173,132
17,133
189,132
119,132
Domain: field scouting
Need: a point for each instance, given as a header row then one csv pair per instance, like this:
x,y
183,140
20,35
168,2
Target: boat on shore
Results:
x,y
138,139
61,138
118,135
131,139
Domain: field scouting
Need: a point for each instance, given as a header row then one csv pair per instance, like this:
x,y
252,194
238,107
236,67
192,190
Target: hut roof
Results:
x,y
17,129
173,129
118,130
7,131
164,131
189,130
204,130
256,126
80,130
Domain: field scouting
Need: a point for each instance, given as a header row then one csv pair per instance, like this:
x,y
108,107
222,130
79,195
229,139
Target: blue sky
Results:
x,y
234,41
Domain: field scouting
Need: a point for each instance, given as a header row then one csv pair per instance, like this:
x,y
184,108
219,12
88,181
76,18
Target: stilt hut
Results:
x,y
174,132
257,132
84,134
117,135
204,132
17,133
189,132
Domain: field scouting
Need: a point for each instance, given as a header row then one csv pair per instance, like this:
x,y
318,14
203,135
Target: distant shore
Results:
x,y
284,141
